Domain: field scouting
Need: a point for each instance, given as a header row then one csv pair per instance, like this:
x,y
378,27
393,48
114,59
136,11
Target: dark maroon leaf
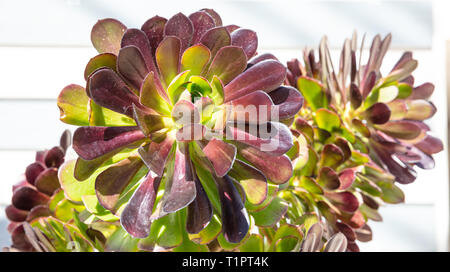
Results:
x,y
251,108
155,154
364,234
402,129
93,142
235,222
180,186
65,140
259,58
47,181
346,178
273,138
25,198
216,38
378,113
265,75
112,182
246,39
38,211
202,22
154,29
200,210
331,156
131,65
54,157
288,101
430,145
214,15
19,239
33,170
369,83
346,230
135,217
180,26
345,201
225,69
108,90
14,214
277,169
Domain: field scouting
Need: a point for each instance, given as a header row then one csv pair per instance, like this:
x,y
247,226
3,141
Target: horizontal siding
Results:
x,y
280,24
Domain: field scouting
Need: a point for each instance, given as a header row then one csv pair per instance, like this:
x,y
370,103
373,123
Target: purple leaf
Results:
x,y
288,100
266,75
402,129
214,15
180,186
235,222
155,154
65,140
223,67
346,230
364,234
331,156
202,22
423,91
277,169
430,145
378,113
14,214
38,211
259,58
346,178
54,157
108,90
47,181
25,198
106,35
185,113
180,26
355,96
345,201
135,217
93,142
199,211
131,65
216,38
221,155
246,39
328,178
112,182
33,170
272,137
250,108
193,132
154,29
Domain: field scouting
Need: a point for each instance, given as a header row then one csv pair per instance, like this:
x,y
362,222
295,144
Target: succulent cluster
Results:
x,y
41,217
190,141
364,133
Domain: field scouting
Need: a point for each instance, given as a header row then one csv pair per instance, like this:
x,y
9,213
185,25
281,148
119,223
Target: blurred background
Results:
x,y
45,45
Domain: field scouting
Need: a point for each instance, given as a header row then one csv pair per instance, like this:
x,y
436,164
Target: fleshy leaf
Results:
x,y
327,120
112,182
331,156
402,129
246,39
180,26
202,22
25,198
378,113
131,65
252,180
288,101
154,29
271,214
235,221
221,155
105,60
199,211
313,92
47,181
93,142
265,75
167,58
108,90
216,38
345,201
195,58
73,105
106,35
328,178
135,217
225,69
155,154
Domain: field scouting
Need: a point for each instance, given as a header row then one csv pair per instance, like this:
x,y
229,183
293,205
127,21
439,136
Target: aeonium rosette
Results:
x,y
364,132
187,99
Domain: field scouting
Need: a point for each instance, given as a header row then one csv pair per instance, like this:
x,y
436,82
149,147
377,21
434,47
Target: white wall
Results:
x,y
44,45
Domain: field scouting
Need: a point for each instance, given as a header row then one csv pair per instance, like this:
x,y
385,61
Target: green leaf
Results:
x,y
73,105
217,94
195,58
150,97
121,241
327,120
270,215
177,86
209,233
101,116
100,61
286,244
64,208
310,185
254,243
285,231
313,92
93,206
73,188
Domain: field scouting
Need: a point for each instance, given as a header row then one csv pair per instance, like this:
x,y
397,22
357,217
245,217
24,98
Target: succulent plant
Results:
x,y
182,127
364,132
41,217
